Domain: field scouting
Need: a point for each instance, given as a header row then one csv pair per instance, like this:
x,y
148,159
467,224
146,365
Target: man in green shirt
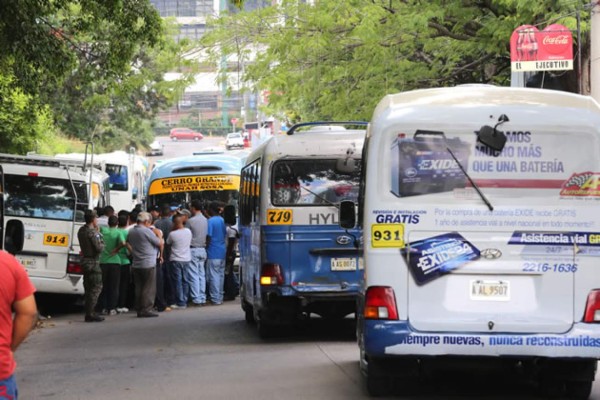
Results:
x,y
110,263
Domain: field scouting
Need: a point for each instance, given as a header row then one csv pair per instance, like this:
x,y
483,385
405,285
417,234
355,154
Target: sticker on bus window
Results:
x,y
56,239
431,258
276,216
387,235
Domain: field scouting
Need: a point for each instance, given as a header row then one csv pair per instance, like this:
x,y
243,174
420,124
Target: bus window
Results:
x,y
39,197
117,177
312,182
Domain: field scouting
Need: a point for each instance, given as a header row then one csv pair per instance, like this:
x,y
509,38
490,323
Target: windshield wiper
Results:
x,y
479,192
320,197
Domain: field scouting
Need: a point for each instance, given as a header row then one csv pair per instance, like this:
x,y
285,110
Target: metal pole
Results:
x,y
595,51
579,67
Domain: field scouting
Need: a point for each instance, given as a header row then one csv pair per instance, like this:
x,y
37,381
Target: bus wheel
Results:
x,y
265,330
248,312
579,390
378,384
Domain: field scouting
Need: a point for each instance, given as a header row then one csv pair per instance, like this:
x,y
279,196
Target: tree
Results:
x,y
95,67
336,60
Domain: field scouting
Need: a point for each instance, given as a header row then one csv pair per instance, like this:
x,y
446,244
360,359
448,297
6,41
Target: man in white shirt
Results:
x,y
179,240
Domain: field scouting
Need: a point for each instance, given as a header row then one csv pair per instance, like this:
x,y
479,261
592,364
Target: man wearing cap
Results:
x,y
146,246
195,275
92,244
155,212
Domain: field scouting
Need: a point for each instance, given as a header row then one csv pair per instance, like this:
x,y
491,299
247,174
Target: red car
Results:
x,y
185,133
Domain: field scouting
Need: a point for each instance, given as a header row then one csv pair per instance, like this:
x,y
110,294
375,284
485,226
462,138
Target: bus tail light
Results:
x,y
74,264
270,274
592,308
380,303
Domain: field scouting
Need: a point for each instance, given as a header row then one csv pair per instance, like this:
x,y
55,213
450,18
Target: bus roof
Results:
x,y
197,165
313,142
425,101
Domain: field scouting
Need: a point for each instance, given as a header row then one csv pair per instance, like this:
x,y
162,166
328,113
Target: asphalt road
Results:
x,y
211,353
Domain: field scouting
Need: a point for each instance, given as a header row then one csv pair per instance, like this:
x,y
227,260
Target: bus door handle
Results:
x,y
289,236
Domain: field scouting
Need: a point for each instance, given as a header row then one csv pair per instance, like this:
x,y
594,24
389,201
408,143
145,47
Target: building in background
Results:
x,y
207,99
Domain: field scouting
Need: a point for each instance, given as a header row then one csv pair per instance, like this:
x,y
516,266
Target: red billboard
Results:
x,y
547,50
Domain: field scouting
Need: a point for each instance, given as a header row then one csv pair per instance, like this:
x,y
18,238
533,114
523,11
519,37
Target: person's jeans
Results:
x,y
196,276
180,287
159,302
8,388
215,269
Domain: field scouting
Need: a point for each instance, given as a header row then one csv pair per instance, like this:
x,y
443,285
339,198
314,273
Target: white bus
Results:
x,y
44,204
127,176
479,211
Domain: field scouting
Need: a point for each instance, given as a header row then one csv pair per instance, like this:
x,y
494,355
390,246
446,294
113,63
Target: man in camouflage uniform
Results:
x,y
91,243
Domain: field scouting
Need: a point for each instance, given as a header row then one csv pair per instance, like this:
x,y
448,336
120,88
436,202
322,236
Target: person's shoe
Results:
x,y
122,310
93,318
147,315
173,306
198,304
104,311
112,312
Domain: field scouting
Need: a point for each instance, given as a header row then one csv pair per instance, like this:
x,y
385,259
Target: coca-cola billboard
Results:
x,y
547,50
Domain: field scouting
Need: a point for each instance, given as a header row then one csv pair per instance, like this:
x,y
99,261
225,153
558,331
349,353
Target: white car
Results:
x,y
234,140
156,149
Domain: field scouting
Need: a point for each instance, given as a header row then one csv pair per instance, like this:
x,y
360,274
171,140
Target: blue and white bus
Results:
x,y
294,259
208,177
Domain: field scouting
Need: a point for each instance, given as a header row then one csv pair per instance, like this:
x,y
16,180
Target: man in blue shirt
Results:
x,y
216,238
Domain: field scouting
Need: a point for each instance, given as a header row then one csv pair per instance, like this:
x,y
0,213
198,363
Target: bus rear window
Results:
x,y
117,175
40,197
312,182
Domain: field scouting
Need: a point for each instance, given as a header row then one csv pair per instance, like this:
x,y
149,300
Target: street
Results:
x,y
210,353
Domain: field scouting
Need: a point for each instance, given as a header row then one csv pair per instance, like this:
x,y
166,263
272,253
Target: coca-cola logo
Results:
x,y
557,39
562,39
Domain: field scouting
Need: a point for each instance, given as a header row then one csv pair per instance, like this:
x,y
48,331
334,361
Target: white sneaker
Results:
x,y
112,312
122,310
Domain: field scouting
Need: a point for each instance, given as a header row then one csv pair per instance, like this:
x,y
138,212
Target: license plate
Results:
x,y
29,263
343,264
490,290
56,239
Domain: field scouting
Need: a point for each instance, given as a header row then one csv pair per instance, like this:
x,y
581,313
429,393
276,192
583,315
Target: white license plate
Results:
x,y
30,263
490,290
343,264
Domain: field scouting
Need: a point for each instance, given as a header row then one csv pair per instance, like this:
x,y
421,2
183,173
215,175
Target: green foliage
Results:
x,y
23,122
337,59
94,67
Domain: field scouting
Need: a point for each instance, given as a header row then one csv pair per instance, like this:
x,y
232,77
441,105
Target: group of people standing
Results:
x,y
176,258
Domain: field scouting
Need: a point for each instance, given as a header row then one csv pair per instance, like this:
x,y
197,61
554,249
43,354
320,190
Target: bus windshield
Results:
x,y
117,177
312,182
183,199
40,197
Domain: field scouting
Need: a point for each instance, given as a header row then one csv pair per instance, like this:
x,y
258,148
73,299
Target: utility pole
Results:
x,y
224,105
595,51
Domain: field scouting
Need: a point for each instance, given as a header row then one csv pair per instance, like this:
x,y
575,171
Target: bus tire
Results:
x,y
579,390
248,312
265,330
378,384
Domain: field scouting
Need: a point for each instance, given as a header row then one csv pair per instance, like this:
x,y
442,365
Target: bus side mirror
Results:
x,y
14,236
347,214
229,215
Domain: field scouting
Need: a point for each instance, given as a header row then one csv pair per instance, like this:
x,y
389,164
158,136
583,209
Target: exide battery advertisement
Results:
x,y
432,257
424,165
